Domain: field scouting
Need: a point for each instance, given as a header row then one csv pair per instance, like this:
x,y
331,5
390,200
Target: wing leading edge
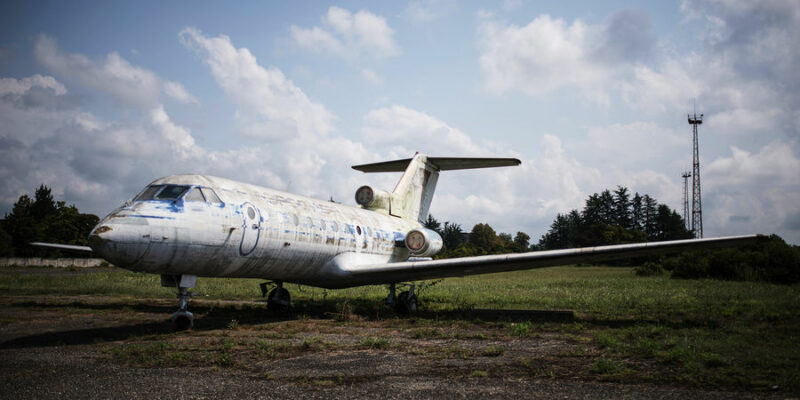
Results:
x,y
422,270
62,246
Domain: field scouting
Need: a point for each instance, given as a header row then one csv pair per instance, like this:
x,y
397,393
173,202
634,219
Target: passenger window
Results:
x,y
149,193
195,195
171,192
210,196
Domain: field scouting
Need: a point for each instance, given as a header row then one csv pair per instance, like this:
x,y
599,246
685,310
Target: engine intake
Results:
x,y
373,199
423,242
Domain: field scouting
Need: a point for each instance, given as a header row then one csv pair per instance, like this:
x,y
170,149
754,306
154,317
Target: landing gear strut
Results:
x,y
181,319
404,304
278,299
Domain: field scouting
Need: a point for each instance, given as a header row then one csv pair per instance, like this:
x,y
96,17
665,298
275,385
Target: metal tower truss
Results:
x,y
685,175
697,204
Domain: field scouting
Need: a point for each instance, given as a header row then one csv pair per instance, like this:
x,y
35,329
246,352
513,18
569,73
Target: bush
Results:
x,y
693,265
771,261
650,268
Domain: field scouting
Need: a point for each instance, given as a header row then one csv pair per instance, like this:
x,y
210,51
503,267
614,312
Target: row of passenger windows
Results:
x,y
203,194
173,192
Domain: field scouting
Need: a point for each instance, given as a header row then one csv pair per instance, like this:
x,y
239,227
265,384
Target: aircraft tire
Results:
x,y
279,300
406,304
182,320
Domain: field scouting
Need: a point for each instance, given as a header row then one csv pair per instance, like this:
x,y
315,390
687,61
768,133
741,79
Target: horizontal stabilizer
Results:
x,y
441,163
62,246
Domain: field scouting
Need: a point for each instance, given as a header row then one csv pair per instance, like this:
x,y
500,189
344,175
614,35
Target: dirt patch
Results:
x,y
100,347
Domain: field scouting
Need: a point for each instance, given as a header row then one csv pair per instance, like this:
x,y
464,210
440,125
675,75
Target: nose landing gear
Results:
x,y
183,319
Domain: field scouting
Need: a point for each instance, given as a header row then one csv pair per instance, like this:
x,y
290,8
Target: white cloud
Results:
x,y
544,55
427,11
11,86
348,35
270,105
371,77
113,75
182,142
178,92
758,189
626,145
401,132
549,53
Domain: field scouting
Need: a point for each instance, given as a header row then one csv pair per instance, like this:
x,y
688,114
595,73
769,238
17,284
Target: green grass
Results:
x,y
704,333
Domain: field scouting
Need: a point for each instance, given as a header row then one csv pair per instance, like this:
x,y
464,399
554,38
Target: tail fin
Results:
x,y
412,196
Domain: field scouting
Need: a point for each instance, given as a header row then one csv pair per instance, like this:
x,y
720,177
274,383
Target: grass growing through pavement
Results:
x,y
714,334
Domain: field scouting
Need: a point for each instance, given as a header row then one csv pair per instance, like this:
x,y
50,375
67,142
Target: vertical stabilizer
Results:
x,y
412,196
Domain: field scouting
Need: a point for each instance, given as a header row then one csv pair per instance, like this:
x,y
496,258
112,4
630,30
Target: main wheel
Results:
x,y
279,300
406,303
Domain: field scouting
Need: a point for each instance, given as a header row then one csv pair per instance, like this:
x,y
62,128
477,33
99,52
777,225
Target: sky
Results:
x,y
97,99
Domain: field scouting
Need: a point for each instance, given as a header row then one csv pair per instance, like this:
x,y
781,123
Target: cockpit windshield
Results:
x,y
171,192
149,193
174,192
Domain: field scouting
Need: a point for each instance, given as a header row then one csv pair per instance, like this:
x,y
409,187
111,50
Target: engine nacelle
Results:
x,y
373,199
423,242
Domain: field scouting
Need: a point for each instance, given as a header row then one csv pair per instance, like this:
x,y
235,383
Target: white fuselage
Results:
x,y
253,232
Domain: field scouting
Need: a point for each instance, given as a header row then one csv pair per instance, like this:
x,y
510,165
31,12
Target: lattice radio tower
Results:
x,y
697,204
685,175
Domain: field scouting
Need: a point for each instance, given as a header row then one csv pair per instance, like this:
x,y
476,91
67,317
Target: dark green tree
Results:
x,y
622,205
650,216
6,243
636,212
432,224
22,226
45,220
484,238
521,242
452,235
43,205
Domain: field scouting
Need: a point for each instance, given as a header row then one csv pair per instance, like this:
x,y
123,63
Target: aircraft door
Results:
x,y
251,229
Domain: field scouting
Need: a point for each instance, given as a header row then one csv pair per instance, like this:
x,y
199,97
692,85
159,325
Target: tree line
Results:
x,y
607,218
615,218
42,219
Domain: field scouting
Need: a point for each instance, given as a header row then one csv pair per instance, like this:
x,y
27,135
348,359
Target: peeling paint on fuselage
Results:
x,y
298,239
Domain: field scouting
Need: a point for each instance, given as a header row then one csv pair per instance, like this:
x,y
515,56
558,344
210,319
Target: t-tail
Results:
x,y
411,198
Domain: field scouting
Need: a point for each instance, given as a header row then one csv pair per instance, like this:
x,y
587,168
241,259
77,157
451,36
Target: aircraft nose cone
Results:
x,y
118,245
99,240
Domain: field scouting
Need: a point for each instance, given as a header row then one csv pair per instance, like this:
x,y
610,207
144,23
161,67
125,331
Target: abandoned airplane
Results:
x,y
188,226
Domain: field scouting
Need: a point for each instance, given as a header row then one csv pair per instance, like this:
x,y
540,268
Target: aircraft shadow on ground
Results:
x,y
207,318
211,316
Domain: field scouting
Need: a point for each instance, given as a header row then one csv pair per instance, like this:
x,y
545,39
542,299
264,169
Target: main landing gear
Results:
x,y
278,299
181,319
404,304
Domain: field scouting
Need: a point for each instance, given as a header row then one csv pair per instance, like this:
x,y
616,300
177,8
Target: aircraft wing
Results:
x,y
422,270
62,246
